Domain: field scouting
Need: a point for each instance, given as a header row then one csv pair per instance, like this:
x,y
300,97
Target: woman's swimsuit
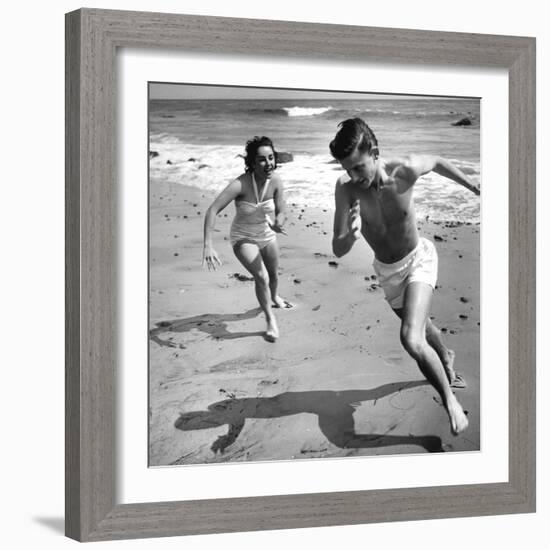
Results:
x,y
252,221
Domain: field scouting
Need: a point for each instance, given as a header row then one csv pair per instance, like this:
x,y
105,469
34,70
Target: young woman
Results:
x,y
260,215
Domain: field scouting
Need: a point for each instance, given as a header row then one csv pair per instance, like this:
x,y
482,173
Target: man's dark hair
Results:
x,y
251,149
353,133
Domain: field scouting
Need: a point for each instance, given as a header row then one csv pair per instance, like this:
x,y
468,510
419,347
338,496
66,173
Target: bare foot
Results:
x,y
281,303
456,380
457,417
272,331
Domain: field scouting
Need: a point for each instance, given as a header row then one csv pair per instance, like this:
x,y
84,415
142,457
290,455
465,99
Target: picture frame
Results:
x,y
92,39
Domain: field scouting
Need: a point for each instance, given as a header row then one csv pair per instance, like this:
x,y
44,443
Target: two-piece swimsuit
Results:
x,y
252,221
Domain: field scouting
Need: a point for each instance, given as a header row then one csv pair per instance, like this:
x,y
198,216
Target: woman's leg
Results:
x,y
249,255
270,256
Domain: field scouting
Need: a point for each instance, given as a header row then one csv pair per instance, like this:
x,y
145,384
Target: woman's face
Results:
x,y
264,162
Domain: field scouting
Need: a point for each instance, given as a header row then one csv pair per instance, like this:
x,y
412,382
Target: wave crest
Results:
x,y
306,111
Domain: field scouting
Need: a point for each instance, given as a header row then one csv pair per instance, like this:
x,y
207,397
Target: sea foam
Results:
x,y
306,111
308,180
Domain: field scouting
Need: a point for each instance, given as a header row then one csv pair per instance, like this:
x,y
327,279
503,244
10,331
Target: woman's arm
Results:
x,y
230,193
280,205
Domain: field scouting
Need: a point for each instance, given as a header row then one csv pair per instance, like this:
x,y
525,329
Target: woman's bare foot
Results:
x,y
272,331
456,380
457,416
281,303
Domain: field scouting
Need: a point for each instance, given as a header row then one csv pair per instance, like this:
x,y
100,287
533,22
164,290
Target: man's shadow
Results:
x,y
334,409
214,324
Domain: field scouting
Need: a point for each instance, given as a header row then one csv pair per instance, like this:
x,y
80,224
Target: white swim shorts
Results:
x,y
418,265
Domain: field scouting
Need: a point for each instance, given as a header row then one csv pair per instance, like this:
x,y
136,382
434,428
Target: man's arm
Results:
x,y
418,165
347,221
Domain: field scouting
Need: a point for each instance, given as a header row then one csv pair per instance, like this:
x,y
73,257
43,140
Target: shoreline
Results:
x,y
309,178
338,366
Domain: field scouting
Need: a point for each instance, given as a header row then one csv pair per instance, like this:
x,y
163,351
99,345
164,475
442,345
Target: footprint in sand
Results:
x,y
394,359
404,401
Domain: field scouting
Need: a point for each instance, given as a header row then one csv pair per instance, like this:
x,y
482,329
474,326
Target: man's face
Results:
x,y
361,168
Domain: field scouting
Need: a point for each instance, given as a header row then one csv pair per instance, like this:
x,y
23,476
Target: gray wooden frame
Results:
x,y
92,39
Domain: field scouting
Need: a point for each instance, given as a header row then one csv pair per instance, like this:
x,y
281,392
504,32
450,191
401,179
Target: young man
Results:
x,y
375,199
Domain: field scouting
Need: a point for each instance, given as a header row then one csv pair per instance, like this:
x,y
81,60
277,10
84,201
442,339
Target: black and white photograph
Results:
x,y
229,356
314,274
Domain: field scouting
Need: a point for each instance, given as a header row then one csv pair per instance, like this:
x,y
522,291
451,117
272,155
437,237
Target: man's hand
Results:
x,y
475,188
354,220
210,258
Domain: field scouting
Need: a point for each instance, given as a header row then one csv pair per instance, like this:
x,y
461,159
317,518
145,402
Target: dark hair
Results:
x,y
353,133
251,149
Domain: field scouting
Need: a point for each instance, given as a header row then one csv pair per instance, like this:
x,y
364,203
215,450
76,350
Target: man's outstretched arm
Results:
x,y
447,169
418,165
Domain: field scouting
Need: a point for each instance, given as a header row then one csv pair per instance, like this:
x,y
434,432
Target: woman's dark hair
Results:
x,y
353,133
251,149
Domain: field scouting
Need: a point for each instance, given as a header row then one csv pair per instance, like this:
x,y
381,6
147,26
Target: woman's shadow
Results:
x,y
334,409
214,324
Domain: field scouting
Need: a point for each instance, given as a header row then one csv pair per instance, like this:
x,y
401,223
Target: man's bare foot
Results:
x,y
272,331
456,380
281,303
457,417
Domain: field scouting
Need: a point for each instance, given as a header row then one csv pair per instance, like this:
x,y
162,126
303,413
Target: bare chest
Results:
x,y
385,209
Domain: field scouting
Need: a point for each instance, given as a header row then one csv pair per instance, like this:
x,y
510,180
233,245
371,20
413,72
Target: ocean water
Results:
x,y
199,143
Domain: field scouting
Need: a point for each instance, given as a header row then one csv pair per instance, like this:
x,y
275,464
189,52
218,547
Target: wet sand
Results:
x,y
337,382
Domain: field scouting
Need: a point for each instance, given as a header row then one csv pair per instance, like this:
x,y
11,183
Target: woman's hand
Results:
x,y
277,225
277,228
210,258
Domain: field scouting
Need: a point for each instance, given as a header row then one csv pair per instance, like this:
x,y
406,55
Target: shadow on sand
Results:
x,y
334,409
214,324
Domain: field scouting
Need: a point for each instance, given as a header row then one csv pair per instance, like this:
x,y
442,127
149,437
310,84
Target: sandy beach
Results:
x,y
337,383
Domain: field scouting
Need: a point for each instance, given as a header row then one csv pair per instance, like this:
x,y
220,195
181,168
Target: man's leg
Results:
x,y
414,317
446,355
